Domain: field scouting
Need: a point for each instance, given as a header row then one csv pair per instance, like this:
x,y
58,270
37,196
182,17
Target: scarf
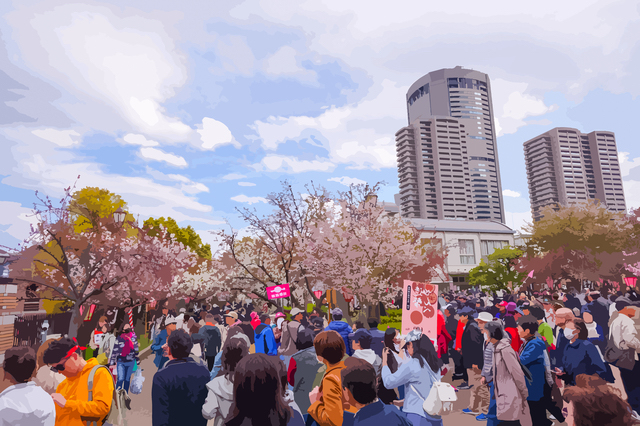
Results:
x,y
128,344
459,332
592,329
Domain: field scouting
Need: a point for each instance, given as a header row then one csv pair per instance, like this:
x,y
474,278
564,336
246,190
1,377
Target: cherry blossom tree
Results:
x,y
103,263
355,245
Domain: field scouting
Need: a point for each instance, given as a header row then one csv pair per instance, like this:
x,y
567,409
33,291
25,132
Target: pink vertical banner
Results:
x,y
278,291
419,306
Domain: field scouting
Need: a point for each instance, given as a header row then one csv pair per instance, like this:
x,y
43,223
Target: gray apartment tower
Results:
x,y
447,155
565,166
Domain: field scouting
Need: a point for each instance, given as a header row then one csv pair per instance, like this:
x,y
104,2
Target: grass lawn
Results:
x,y
144,341
396,325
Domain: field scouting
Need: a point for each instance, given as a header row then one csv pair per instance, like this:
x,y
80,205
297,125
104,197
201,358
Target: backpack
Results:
x,y
441,398
213,341
118,402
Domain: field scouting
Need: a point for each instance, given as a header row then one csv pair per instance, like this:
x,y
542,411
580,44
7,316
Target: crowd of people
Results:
x,y
524,359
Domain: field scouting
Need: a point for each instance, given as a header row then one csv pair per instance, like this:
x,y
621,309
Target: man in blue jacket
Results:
x,y
180,388
341,327
264,338
359,390
532,356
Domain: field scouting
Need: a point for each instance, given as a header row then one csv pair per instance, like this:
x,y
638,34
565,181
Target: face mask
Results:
x,y
486,337
397,346
569,333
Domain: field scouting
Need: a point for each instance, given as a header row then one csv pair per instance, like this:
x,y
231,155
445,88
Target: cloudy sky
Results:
x,y
192,110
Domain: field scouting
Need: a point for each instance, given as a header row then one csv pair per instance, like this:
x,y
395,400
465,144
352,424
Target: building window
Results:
x,y
467,252
487,247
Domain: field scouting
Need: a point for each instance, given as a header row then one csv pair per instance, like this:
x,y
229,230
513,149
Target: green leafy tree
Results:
x,y
499,271
187,235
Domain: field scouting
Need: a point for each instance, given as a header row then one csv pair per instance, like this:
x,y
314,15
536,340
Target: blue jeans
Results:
x,y
492,415
125,370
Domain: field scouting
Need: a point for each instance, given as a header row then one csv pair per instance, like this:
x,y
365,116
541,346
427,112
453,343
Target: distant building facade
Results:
x,y
566,166
447,159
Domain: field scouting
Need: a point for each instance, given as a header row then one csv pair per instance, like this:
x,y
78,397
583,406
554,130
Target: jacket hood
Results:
x,y
222,387
502,344
366,354
288,396
340,326
261,328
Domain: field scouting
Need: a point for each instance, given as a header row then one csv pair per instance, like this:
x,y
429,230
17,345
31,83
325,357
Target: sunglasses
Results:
x,y
59,367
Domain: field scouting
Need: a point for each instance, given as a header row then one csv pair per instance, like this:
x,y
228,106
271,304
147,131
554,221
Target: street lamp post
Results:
x,y
118,216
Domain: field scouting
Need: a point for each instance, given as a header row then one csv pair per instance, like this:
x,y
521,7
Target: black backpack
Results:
x,y
213,341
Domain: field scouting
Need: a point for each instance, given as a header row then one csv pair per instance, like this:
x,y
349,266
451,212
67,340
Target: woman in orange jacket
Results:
x,y
328,407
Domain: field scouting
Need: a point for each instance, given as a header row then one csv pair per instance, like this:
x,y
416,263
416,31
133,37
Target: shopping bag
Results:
x,y
136,382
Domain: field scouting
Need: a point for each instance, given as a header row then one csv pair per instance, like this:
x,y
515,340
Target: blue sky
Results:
x,y
193,110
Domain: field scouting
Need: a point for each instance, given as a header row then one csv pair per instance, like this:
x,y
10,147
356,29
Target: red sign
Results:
x,y
318,293
278,291
419,306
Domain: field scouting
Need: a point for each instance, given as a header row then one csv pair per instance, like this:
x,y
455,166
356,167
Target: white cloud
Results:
x,y
17,220
250,200
631,186
64,138
133,139
246,184
233,176
285,62
512,105
347,181
187,185
214,133
280,163
155,154
510,193
358,134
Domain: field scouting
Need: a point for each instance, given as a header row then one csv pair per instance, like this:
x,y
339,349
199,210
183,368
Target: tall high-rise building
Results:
x,y
447,155
565,166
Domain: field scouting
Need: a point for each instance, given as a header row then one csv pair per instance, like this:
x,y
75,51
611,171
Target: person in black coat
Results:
x,y
180,388
473,360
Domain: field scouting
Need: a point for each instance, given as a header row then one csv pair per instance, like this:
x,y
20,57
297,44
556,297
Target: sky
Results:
x,y
194,109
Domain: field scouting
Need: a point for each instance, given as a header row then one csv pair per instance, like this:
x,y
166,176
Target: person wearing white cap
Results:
x,y
486,375
290,336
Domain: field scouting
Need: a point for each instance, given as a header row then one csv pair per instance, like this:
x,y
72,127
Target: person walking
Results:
x,y
290,336
418,374
264,337
125,356
624,336
179,388
44,377
472,349
532,355
212,339
217,406
595,333
327,401
303,369
486,375
73,407
544,329
377,336
341,327
23,402
359,388
580,356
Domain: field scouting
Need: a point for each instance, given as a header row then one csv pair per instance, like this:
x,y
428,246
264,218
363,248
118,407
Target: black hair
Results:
x,y
122,326
359,377
59,349
373,322
259,374
305,339
389,335
423,350
234,350
20,363
529,323
180,344
510,321
537,312
264,317
494,328
364,340
359,325
337,317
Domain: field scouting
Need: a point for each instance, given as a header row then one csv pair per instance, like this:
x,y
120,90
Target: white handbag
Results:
x,y
441,398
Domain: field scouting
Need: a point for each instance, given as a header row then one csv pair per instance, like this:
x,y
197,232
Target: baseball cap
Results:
x,y
233,315
279,315
170,320
485,317
296,311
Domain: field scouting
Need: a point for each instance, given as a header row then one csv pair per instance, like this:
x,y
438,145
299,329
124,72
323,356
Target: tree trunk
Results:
x,y
74,322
